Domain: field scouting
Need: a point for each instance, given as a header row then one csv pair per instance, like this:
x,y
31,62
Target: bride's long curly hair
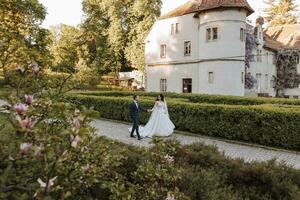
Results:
x,y
162,98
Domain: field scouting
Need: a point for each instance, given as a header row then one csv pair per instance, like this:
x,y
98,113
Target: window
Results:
x,y
163,85
174,28
274,59
258,82
187,85
177,28
187,48
259,55
208,34
272,83
260,35
242,34
163,51
215,33
266,81
297,59
210,77
212,34
242,77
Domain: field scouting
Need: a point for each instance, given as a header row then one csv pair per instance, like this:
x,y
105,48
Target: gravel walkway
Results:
x,y
119,131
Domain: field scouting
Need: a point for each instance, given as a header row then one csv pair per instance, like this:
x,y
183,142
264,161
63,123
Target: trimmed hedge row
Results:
x,y
263,124
200,98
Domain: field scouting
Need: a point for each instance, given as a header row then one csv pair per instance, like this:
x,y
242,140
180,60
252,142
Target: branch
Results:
x,y
15,187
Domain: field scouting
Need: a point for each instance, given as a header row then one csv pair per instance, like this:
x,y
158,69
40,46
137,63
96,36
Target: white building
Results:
x,y
200,48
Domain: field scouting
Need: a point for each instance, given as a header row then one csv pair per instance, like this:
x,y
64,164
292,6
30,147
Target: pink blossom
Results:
x,y
29,99
170,197
27,123
36,69
11,158
21,108
77,124
76,141
86,168
169,159
25,148
39,150
20,69
49,185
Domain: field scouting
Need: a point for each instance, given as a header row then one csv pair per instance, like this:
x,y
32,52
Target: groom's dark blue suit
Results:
x,y
135,109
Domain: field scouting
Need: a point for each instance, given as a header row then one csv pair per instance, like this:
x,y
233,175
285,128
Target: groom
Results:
x,y
135,109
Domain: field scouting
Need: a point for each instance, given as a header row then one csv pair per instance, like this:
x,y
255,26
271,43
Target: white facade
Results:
x,y
263,68
212,65
215,67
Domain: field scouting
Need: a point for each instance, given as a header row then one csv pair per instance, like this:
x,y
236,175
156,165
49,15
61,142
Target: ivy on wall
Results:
x,y
249,57
287,74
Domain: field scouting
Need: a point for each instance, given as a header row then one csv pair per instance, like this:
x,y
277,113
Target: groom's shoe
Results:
x,y
133,136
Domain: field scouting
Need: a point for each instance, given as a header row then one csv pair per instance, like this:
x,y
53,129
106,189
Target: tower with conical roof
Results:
x,y
200,48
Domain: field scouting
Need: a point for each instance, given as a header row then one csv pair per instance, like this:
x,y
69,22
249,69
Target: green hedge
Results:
x,y
127,93
200,98
262,124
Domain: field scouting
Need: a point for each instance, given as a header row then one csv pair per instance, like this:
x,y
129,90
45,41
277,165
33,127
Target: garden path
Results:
x,y
119,131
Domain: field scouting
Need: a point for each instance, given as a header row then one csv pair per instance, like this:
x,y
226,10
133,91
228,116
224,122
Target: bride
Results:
x,y
159,123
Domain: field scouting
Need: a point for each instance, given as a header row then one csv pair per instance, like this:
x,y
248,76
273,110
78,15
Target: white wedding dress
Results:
x,y
159,123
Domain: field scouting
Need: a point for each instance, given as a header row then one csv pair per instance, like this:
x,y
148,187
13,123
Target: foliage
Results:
x,y
115,32
250,46
64,48
197,98
198,171
287,74
274,125
22,39
281,12
49,151
210,175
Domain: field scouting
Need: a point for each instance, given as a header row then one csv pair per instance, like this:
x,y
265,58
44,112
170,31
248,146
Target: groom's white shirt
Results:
x,y
136,103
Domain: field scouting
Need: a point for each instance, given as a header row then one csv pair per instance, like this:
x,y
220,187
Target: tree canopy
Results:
x,y
22,40
281,12
115,31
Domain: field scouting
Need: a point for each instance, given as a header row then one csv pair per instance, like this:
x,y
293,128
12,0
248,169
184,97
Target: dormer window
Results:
x,y
212,34
259,55
174,28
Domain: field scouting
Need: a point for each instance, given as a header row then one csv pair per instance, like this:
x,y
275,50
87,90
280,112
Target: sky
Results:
x,y
70,12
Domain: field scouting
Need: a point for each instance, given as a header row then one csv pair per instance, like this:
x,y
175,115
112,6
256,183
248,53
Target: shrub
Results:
x,y
210,175
199,98
263,124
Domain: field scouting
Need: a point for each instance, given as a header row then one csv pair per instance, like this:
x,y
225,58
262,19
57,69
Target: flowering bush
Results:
x,y
49,151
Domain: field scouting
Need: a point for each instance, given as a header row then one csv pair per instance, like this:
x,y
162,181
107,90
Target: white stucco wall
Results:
x,y
228,44
161,34
224,57
174,75
227,78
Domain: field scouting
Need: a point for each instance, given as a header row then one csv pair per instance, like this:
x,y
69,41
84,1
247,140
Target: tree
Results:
x,y
142,19
65,47
281,12
118,29
22,40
